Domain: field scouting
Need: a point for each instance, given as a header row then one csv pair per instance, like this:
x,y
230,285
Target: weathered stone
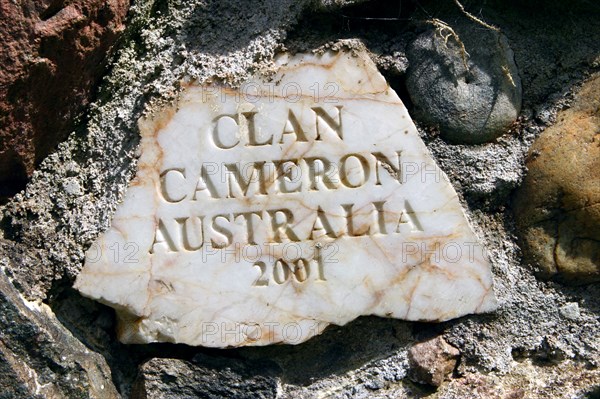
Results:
x,y
432,361
527,380
557,209
570,311
52,55
255,213
205,377
41,358
464,80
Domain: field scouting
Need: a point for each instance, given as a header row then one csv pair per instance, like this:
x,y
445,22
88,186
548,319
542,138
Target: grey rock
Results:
x,y
570,311
464,80
205,377
40,358
335,4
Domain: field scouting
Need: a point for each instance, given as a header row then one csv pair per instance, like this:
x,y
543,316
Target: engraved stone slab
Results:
x,y
263,214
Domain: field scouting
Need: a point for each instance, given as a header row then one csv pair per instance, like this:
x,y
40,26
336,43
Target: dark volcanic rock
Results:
x,y
464,80
52,55
205,377
41,358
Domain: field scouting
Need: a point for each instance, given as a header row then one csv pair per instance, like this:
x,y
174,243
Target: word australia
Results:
x,y
262,196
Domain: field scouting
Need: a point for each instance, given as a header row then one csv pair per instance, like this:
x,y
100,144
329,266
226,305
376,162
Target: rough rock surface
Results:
x,y
544,341
52,55
432,361
527,380
205,377
464,80
41,358
557,208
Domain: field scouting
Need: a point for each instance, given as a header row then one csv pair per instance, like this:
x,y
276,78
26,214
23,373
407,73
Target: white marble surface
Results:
x,y
200,254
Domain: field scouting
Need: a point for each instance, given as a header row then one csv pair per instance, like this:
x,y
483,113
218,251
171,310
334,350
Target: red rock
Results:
x,y
52,55
432,361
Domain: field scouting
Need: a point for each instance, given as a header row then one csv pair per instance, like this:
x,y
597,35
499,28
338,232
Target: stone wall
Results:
x,y
540,228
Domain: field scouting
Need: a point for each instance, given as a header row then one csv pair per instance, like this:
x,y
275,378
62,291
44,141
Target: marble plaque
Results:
x,y
261,215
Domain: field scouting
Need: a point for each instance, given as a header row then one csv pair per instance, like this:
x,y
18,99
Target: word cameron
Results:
x,y
249,186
